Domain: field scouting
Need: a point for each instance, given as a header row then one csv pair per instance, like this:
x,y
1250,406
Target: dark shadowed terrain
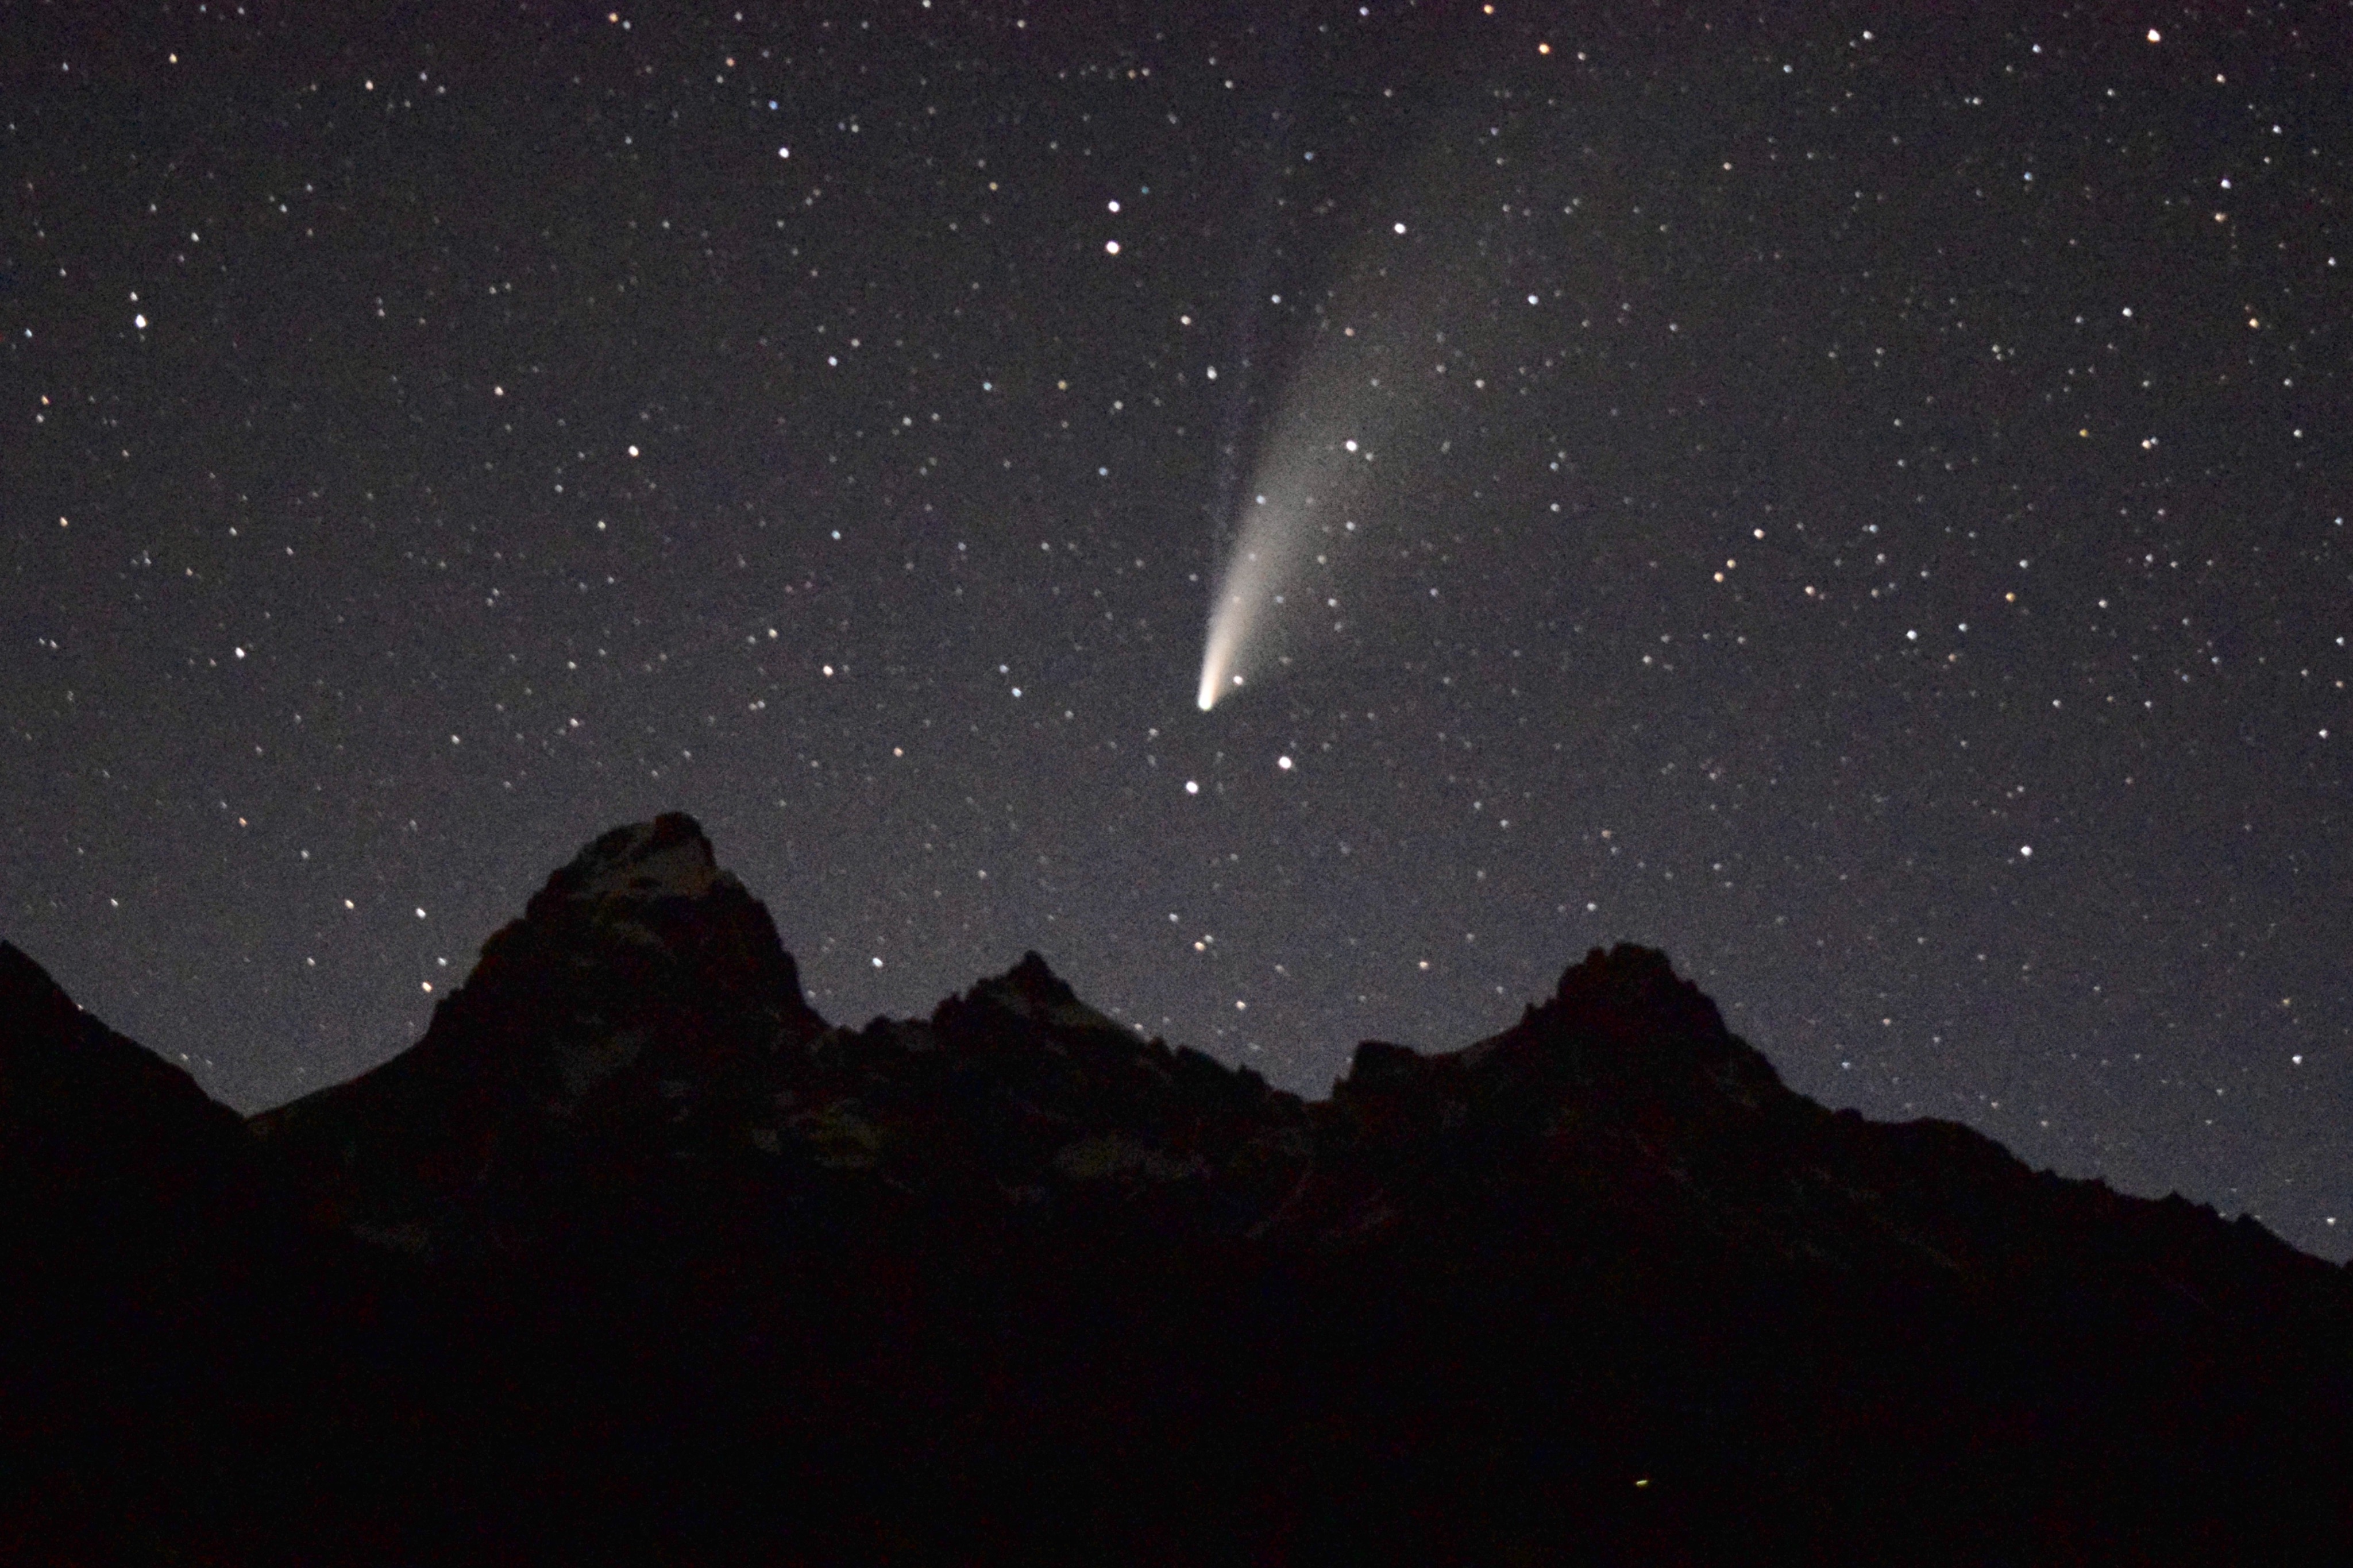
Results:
x,y
634,1257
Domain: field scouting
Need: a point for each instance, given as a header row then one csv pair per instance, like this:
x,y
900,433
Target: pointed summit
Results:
x,y
1626,1013
1034,993
668,857
1632,978
1622,1017
652,894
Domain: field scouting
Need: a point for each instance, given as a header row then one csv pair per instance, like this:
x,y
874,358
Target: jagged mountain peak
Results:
x,y
641,934
1631,1016
643,989
668,857
1621,1017
651,896
1633,979
1031,992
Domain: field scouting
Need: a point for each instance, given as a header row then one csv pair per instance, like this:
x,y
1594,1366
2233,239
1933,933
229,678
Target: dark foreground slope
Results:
x,y
633,1257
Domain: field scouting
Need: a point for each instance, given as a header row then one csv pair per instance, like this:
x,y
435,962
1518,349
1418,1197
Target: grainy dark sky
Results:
x,y
1854,497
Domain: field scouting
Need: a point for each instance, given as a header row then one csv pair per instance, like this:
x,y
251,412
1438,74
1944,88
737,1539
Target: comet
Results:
x,y
1297,514
1313,471
1364,388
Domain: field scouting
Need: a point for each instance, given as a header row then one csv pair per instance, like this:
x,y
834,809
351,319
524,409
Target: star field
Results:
x,y
1854,499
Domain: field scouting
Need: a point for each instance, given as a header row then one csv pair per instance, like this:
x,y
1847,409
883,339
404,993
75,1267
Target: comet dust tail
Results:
x,y
1357,399
1287,538
1273,541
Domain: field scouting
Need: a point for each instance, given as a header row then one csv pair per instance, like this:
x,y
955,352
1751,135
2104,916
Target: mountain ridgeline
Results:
x,y
634,1255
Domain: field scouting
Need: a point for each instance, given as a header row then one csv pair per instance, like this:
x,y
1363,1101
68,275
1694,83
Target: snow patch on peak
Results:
x,y
668,858
676,871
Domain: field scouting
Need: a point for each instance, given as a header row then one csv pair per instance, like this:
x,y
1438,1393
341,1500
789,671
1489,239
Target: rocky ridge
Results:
x,y
635,1248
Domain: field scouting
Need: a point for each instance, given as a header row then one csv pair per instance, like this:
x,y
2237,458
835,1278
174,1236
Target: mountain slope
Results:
x,y
139,1242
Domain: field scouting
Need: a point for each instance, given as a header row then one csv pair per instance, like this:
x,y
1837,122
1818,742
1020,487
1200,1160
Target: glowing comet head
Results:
x,y
1217,658
1214,683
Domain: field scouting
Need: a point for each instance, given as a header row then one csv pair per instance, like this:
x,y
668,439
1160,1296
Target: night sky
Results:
x,y
1853,498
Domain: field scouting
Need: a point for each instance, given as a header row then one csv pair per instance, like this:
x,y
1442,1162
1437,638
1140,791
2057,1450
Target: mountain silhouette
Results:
x,y
634,1255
